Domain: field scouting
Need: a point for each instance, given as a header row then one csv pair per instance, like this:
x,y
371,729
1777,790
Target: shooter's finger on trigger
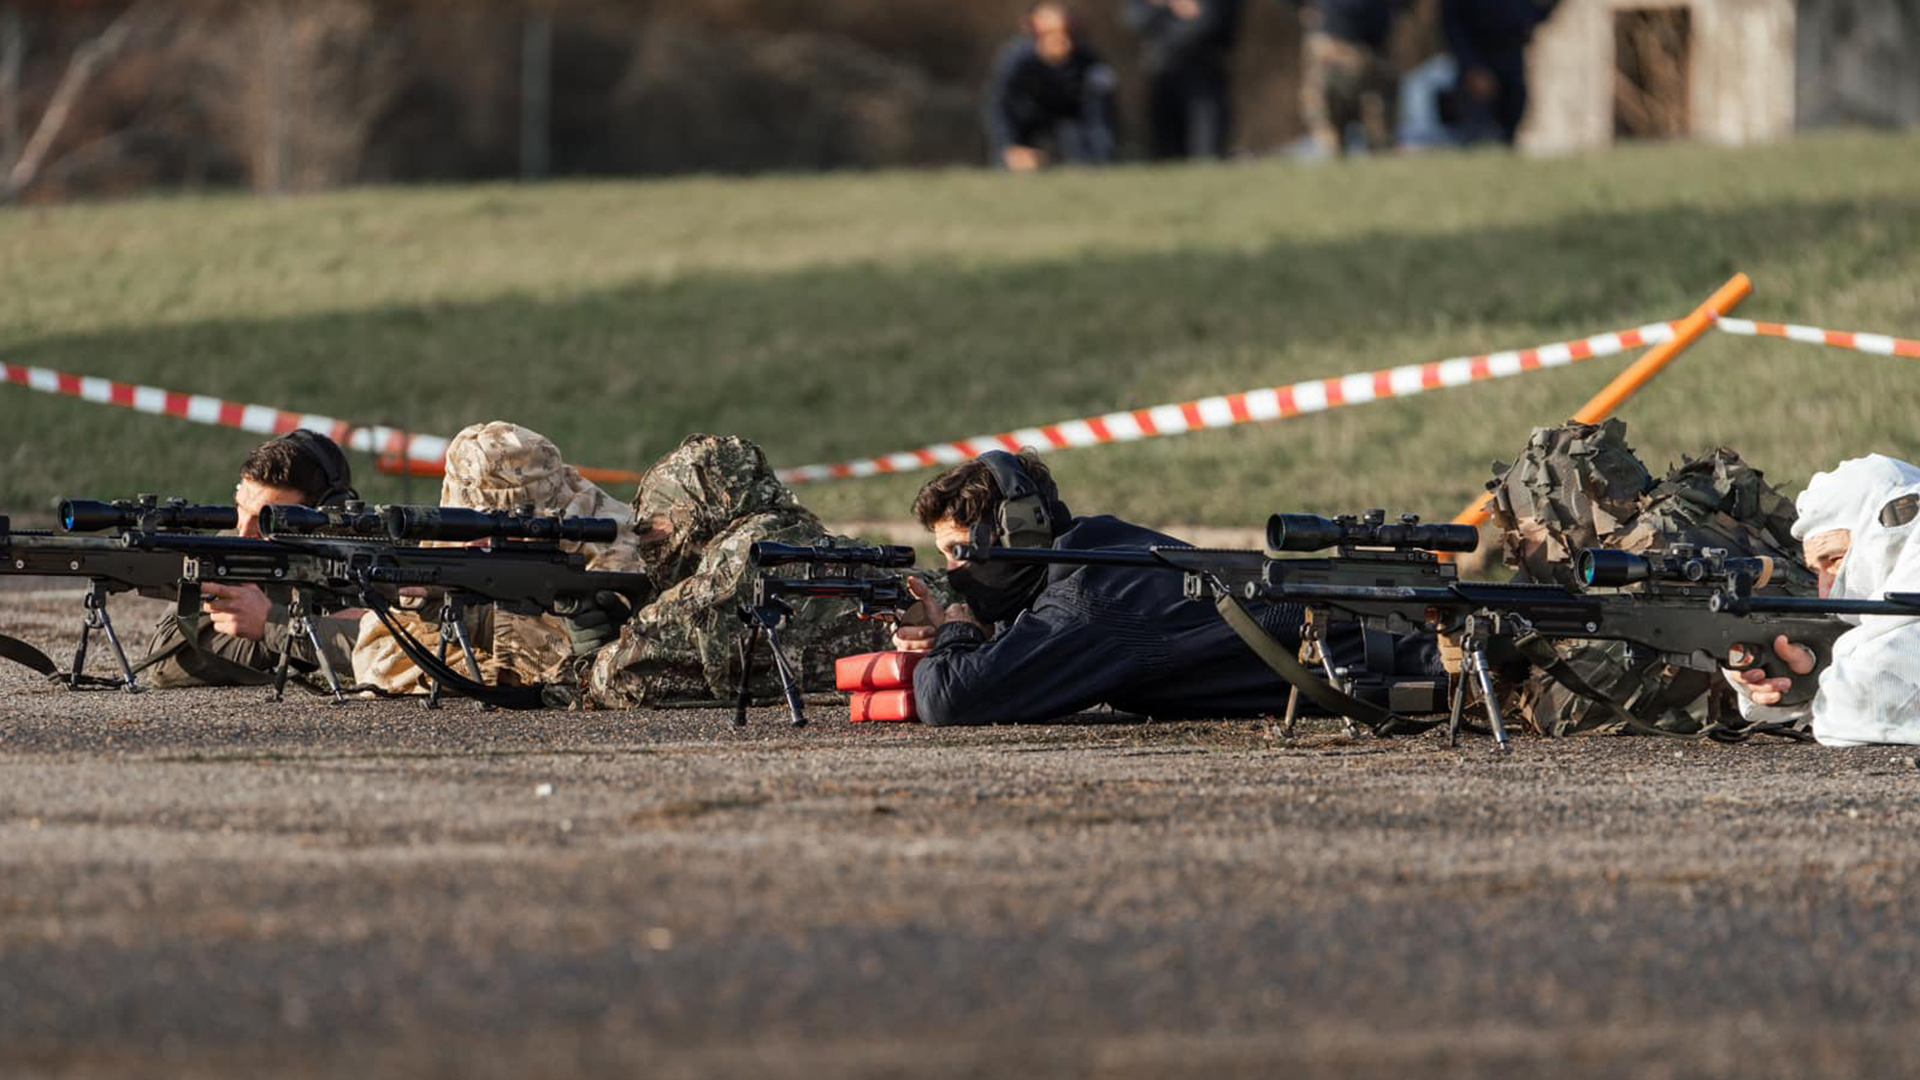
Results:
x,y
1798,659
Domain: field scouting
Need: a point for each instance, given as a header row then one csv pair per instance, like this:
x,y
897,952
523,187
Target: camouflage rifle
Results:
x,y
327,561
110,566
1689,607
829,572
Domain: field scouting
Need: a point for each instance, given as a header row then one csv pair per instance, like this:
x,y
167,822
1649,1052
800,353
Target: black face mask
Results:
x,y
998,591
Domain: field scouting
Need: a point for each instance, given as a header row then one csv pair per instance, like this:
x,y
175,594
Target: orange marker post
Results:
x,y
1630,381
396,466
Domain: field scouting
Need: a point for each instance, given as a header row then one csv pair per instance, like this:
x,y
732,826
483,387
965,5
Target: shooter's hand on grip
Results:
x,y
237,610
597,622
920,623
1772,678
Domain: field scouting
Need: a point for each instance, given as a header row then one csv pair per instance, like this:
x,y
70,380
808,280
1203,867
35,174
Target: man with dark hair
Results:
x,y
1037,642
246,630
1050,92
1189,84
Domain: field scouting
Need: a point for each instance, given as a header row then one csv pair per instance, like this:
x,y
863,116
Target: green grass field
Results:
x,y
840,316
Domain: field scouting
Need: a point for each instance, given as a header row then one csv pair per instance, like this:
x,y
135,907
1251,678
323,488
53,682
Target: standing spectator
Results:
x,y
1050,90
1189,94
1489,41
1346,77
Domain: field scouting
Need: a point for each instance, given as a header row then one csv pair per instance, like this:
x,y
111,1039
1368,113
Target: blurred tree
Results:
x,y
293,87
24,163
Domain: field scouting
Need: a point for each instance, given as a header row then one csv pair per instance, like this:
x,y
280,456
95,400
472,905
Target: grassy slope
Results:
x,y
840,316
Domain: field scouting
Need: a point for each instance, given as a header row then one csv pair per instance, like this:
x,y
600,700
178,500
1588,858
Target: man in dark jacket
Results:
x,y
1489,40
1050,94
1189,92
1038,642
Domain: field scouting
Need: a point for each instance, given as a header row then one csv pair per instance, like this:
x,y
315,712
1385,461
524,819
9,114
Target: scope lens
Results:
x,y
66,516
1610,569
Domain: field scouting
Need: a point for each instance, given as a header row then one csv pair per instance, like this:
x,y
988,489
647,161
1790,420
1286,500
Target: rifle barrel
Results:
x,y
1055,557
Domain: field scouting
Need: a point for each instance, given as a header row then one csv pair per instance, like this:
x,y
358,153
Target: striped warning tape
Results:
x,y
202,409
1813,335
1274,403
424,455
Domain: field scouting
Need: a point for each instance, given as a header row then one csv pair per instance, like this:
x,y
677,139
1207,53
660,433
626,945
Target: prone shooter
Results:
x,y
1693,608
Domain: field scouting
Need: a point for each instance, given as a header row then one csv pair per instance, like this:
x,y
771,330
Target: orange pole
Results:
x,y
1632,380
398,467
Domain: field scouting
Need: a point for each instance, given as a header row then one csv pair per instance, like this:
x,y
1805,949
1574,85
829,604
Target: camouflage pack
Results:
x,y
1580,485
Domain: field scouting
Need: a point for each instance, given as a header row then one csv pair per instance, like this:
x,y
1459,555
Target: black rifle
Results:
x,y
1369,549
1693,608
108,564
829,572
323,574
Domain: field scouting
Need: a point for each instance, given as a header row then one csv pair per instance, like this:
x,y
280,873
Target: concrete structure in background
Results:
x,y
1726,71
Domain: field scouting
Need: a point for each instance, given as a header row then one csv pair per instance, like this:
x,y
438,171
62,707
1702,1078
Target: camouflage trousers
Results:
x,y
1343,83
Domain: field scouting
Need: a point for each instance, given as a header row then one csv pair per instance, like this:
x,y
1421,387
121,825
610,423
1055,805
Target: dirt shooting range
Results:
x,y
1135,539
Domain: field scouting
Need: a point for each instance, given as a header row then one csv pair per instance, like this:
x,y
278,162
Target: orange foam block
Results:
x,y
881,705
875,671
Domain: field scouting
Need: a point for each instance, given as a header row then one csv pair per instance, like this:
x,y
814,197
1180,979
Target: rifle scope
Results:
x,y
453,525
350,520
891,557
1609,569
1311,532
87,515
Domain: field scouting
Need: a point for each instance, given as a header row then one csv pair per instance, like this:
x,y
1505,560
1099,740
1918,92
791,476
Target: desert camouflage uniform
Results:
x,y
697,512
502,466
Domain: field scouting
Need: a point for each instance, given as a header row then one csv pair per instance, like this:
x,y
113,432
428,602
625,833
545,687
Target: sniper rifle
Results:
x,y
827,571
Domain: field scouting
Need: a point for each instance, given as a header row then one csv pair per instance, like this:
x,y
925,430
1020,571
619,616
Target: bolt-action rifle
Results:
x,y
831,572
107,564
1693,608
327,561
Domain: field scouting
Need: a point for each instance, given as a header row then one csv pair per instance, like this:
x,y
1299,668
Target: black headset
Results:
x,y
332,460
1025,520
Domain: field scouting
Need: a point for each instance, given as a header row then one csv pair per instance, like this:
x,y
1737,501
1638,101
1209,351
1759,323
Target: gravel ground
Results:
x,y
200,883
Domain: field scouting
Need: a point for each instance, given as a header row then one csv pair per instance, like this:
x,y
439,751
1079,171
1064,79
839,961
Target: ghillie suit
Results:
x,y
698,511
1579,486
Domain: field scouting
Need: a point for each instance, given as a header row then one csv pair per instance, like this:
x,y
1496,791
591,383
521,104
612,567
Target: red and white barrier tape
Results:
x,y
202,409
1276,403
426,454
1813,335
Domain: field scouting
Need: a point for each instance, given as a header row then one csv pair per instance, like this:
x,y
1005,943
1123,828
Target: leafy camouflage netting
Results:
x,y
1580,485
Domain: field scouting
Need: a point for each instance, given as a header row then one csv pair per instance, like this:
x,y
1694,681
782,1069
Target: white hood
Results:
x,y
1871,693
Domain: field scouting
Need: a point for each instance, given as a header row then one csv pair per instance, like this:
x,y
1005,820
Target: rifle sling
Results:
x,y
1317,690
521,698
12,648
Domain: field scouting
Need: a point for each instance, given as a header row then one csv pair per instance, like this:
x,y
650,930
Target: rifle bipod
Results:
x,y
1475,667
98,619
453,628
299,623
765,619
